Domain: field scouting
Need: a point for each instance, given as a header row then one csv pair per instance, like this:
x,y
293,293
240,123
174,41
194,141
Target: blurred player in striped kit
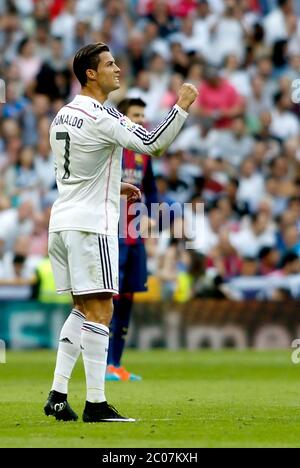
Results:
x,y
136,170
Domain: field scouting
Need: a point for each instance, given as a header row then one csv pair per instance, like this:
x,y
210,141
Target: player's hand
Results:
x,y
186,96
131,192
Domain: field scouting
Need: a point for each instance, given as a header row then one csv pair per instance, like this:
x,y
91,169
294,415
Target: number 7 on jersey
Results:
x,y
65,136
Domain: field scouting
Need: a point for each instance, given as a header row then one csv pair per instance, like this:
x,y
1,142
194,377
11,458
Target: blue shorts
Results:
x,y
132,268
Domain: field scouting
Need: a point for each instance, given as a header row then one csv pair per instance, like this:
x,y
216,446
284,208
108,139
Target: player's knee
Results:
x,y
100,310
99,317
78,304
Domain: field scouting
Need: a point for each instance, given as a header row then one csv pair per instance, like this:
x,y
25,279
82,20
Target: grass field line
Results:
x,y
216,418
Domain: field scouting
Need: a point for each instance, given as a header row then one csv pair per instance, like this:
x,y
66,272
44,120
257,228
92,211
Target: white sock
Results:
x,y
94,343
68,351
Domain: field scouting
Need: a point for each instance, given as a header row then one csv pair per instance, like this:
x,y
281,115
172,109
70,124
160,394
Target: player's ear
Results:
x,y
91,74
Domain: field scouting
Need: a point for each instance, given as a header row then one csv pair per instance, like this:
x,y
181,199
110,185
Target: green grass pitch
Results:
x,y
187,399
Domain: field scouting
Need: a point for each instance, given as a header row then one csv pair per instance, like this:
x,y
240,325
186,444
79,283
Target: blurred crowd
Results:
x,y
239,152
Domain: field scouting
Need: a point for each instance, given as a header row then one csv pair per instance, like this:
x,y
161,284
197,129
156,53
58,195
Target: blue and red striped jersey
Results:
x,y
137,170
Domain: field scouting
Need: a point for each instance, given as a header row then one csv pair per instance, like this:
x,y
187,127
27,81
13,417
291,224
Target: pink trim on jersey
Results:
x,y
106,196
81,110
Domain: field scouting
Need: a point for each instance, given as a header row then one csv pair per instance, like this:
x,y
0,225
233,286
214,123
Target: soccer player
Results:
x,y
87,139
137,170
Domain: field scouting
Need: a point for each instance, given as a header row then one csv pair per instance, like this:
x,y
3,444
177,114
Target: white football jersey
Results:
x,y
87,140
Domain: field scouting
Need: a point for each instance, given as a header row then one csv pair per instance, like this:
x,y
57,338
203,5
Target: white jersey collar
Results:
x,y
86,99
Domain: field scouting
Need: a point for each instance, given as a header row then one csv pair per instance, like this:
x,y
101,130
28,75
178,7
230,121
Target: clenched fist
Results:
x,y
186,96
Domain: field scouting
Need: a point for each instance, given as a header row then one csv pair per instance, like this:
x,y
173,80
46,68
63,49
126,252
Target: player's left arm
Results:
x,y
115,128
118,129
156,142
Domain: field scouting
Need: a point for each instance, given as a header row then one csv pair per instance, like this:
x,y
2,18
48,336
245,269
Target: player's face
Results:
x,y
136,114
108,73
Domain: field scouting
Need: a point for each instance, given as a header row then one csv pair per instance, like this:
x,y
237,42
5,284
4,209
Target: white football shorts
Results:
x,y
84,262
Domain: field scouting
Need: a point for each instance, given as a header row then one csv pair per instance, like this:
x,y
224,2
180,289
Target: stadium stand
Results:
x,y
238,153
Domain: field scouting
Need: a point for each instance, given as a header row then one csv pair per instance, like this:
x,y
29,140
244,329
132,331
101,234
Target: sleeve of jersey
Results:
x,y
122,131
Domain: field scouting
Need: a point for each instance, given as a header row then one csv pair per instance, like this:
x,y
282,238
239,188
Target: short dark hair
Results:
x,y
87,58
277,97
264,252
19,259
22,44
287,258
124,105
282,3
234,181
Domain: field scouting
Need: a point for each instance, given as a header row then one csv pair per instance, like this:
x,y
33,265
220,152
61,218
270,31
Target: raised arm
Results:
x,y
122,131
